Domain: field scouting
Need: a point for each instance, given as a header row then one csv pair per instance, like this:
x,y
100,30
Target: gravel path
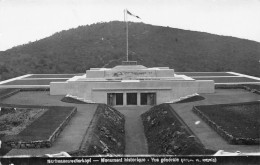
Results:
x,y
71,137
134,132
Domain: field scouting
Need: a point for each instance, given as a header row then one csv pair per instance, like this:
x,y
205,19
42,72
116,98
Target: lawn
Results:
x,y
34,82
228,79
241,121
44,126
14,120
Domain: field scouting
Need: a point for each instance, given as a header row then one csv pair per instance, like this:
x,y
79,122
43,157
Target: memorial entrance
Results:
x,y
115,99
131,98
148,98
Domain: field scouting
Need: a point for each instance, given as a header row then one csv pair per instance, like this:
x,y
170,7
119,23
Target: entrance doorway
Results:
x,y
131,98
148,98
115,99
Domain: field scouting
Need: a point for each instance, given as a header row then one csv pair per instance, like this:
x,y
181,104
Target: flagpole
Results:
x,y
126,35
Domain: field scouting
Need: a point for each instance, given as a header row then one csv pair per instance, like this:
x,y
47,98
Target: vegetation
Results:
x,y
14,120
103,45
105,135
44,126
166,133
239,123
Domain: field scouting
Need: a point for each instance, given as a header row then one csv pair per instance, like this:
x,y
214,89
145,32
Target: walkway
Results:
x,y
210,138
134,132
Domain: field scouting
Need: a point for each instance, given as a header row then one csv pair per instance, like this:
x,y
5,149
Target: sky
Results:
x,y
23,21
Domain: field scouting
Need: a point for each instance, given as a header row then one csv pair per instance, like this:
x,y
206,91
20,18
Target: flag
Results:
x,y
128,12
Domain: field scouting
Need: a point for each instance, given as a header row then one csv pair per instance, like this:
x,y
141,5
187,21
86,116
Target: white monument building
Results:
x,y
131,85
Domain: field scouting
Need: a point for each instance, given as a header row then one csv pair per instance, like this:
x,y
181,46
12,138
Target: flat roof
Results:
x,y
45,79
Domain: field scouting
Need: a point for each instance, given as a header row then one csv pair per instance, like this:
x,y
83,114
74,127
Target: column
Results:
x,y
138,98
124,99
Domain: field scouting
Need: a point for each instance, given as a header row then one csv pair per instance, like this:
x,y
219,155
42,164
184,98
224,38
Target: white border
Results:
x,y
13,79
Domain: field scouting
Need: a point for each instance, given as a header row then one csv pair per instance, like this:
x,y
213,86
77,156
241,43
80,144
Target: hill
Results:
x,y
103,45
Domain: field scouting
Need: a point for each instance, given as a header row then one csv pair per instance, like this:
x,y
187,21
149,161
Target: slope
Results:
x,y
103,45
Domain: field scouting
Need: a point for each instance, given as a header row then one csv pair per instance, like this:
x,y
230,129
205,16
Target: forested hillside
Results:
x,y
103,45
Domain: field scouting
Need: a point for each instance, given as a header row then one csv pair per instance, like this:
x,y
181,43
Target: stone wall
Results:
x,y
206,86
58,88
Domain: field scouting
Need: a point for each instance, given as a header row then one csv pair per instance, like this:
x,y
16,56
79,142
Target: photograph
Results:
x,y
129,82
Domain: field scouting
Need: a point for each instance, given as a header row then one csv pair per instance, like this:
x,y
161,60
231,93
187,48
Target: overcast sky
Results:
x,y
22,21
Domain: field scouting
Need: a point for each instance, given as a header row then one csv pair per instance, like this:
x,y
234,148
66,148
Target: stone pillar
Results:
x,y
124,99
138,98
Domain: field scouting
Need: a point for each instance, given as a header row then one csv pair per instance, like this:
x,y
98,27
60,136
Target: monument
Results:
x,y
130,84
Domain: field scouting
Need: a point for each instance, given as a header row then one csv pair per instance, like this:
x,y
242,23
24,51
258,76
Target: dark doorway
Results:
x,y
131,98
148,98
115,99
119,98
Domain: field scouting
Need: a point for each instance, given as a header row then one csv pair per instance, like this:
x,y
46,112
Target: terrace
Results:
x,y
71,137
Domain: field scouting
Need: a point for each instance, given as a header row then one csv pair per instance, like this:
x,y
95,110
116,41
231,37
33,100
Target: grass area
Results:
x,y
166,133
14,120
34,82
241,120
228,79
51,76
191,74
44,126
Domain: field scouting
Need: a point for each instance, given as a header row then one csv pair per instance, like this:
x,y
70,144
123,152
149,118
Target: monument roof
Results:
x,y
129,67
